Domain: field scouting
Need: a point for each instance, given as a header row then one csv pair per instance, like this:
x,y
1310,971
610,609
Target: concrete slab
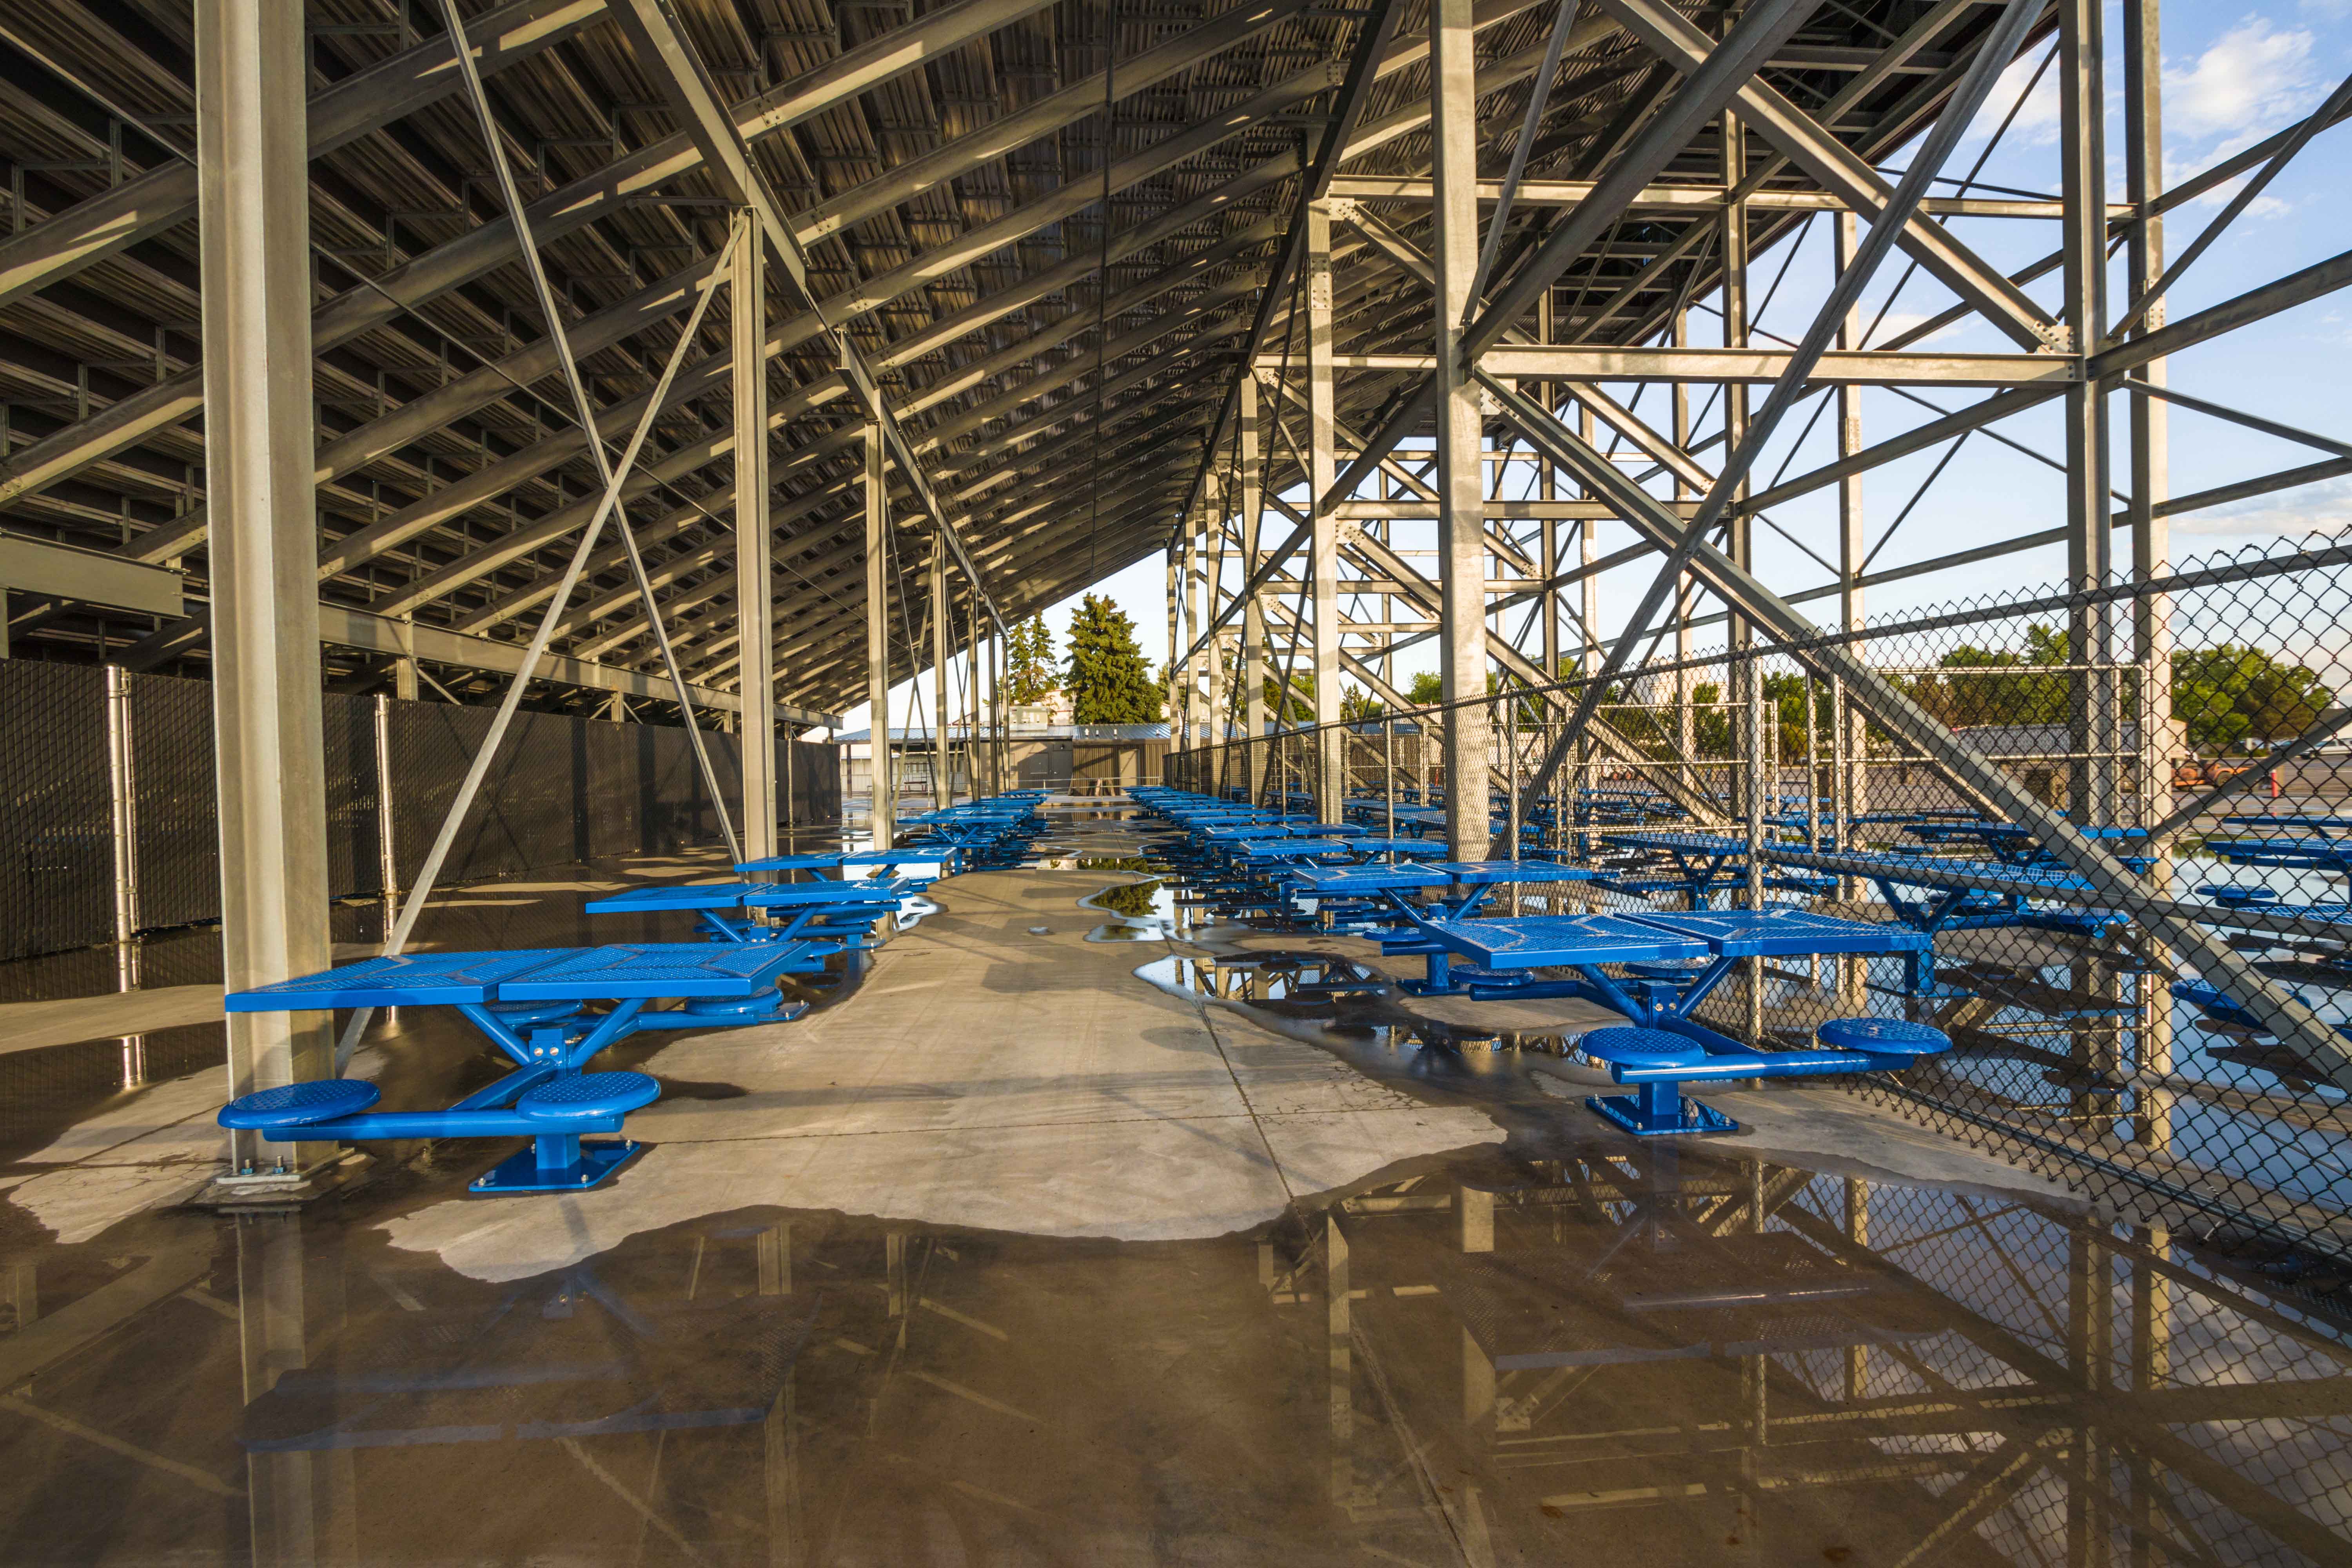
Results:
x,y
31,1026
985,1075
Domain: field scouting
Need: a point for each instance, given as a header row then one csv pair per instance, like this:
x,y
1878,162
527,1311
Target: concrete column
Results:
x,y
747,293
942,763
885,816
1323,469
253,235
1461,489
1253,414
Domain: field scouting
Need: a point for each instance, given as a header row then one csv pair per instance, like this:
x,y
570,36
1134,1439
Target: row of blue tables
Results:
x,y
550,1011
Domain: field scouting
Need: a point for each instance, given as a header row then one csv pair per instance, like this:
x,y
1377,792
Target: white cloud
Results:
x,y
2037,121
2251,81
1898,323
2324,508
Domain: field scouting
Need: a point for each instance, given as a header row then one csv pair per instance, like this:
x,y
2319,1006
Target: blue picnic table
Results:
x,y
1672,963
535,1006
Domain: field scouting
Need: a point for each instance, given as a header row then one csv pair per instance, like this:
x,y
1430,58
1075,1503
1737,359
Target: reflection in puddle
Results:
x,y
1655,1353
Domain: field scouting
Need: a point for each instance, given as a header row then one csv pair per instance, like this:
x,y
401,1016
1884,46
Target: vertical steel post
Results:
x,y
123,813
1323,557
253,234
1253,416
2090,557
2152,534
972,689
1461,471
2095,691
942,771
884,814
746,298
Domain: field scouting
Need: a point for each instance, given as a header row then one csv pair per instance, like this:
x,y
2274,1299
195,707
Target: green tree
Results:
x,y
1109,683
1299,710
1427,689
1356,707
2232,695
1029,662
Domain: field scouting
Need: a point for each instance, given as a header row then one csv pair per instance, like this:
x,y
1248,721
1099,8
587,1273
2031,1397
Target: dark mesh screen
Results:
x,y
562,790
355,845
57,841
173,791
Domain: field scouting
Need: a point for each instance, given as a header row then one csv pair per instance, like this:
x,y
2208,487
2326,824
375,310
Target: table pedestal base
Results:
x,y
1659,1110
591,1161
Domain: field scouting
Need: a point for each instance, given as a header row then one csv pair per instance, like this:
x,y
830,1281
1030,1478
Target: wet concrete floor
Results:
x,y
1008,1253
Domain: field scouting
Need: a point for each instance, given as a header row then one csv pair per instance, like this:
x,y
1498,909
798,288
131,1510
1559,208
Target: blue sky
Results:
x,y
2234,74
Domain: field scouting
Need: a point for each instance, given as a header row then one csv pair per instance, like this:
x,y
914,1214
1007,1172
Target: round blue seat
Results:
x,y
1666,969
299,1104
1887,1036
1641,1047
588,1096
2230,896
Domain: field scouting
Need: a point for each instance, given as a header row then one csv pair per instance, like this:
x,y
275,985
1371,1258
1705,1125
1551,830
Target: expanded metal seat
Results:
x,y
299,1104
588,1096
1885,1036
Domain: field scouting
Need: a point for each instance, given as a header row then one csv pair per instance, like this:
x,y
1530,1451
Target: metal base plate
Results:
x,y
521,1172
1625,1111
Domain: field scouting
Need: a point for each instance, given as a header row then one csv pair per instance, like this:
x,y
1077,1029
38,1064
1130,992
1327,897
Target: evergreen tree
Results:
x,y
1109,683
1029,662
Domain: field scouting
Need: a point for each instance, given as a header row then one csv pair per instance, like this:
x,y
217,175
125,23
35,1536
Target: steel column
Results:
x,y
884,814
254,174
1461,468
1323,551
755,587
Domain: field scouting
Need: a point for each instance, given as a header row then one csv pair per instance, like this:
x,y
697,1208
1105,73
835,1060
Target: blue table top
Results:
x,y
1273,851
753,895
1419,849
1780,932
837,860
1331,881
1939,871
651,971
1540,942
406,979
624,971
1481,873
1686,843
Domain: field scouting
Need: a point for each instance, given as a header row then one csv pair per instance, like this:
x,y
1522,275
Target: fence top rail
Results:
x,y
2251,563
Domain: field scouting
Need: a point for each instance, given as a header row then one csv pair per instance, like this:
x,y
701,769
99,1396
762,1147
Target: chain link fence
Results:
x,y
2199,726
112,823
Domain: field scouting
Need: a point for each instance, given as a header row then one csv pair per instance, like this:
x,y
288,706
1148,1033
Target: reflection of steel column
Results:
x,y
781,1458
2151,1353
2090,1357
303,1505
252,145
1857,1231
1340,1331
